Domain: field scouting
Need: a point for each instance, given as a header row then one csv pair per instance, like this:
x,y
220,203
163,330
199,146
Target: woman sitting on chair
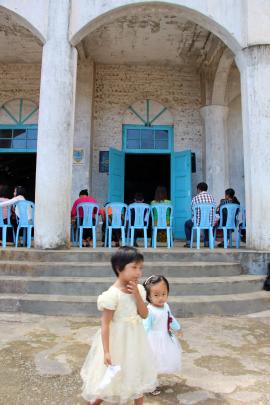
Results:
x,y
161,198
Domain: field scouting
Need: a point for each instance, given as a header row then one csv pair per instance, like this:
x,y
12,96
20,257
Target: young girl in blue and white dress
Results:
x,y
122,341
160,326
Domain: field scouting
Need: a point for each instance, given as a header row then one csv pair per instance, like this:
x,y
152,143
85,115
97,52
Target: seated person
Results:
x,y
138,198
83,197
4,197
161,198
19,194
230,198
116,233
202,197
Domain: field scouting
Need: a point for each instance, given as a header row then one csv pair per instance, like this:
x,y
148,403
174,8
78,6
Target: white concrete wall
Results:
x,y
32,14
117,87
235,136
256,25
235,149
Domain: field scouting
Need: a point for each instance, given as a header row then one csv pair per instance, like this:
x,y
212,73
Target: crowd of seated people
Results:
x,y
202,197
159,198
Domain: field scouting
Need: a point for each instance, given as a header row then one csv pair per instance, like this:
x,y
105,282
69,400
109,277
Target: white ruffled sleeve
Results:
x,y
108,300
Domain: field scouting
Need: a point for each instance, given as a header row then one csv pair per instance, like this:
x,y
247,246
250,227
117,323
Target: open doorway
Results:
x,y
144,172
18,169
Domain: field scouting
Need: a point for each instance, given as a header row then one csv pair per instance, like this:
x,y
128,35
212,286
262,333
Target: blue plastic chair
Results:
x,y
116,220
72,234
138,218
4,227
206,222
88,221
25,213
231,224
243,215
162,218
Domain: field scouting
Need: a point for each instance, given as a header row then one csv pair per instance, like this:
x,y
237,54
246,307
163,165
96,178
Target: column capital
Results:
x,y
214,110
253,56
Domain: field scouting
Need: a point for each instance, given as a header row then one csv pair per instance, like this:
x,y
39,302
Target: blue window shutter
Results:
x,y
116,175
181,190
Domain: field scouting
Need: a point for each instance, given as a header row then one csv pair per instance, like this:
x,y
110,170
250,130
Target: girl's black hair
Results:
x,y
123,256
150,281
161,193
20,190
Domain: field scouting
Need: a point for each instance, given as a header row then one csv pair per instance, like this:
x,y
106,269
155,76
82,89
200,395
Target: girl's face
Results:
x,y
15,192
131,272
158,294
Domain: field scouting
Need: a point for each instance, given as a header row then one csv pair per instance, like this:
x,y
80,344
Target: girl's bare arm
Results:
x,y
132,288
106,318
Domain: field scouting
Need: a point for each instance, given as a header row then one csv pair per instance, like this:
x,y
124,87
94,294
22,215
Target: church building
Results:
x,y
120,96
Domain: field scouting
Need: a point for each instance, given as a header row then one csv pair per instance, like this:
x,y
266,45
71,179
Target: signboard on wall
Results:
x,y
78,156
103,161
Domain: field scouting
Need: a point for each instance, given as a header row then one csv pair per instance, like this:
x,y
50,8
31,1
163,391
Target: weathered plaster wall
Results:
x,y
81,173
224,17
235,135
118,86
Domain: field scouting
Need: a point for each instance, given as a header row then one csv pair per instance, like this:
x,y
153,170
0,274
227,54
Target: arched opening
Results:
x,y
20,64
18,144
154,51
204,14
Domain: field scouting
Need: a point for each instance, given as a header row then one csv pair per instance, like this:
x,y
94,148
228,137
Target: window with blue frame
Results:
x,y
147,139
15,139
18,126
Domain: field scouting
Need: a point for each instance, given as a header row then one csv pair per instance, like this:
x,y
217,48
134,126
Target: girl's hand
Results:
x,y
132,288
180,334
107,359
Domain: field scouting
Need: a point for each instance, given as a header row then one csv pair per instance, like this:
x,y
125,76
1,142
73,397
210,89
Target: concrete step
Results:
x,y
179,286
96,269
231,304
103,255
252,262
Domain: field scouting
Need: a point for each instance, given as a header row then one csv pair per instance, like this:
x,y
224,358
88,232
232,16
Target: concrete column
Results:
x,y
83,132
254,66
55,132
215,133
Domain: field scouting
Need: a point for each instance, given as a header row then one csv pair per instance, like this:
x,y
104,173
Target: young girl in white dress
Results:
x,y
160,326
122,340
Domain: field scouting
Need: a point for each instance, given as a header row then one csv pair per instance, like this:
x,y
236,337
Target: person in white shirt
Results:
x,y
19,194
4,197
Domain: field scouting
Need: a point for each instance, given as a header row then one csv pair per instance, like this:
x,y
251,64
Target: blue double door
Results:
x,y
180,182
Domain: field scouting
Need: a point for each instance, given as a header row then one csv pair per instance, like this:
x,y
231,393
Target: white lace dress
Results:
x,y
165,346
129,348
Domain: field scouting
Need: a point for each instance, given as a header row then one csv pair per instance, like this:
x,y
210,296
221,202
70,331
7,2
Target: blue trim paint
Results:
x,y
10,115
137,115
147,122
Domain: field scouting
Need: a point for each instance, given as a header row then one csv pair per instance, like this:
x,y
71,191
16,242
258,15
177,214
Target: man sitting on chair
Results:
x,y
203,197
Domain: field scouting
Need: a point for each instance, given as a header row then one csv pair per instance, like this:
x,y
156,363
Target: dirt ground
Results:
x,y
225,361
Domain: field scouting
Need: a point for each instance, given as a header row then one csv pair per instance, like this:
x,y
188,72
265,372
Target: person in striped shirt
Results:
x,y
202,197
